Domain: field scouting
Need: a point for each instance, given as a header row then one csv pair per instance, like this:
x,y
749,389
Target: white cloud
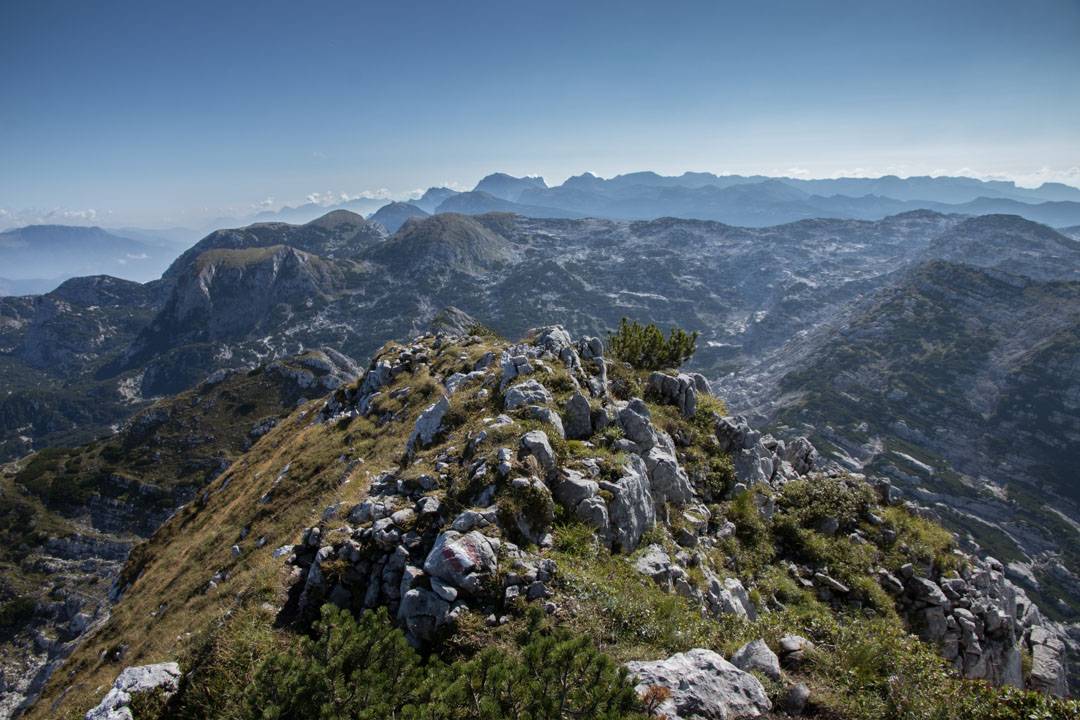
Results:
x,y
380,194
1069,176
331,197
19,217
80,215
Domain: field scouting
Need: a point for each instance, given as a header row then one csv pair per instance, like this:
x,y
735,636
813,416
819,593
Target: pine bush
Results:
x,y
646,348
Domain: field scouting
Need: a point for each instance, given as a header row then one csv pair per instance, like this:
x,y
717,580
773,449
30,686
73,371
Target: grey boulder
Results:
x,y
577,419
428,424
530,392
535,442
461,560
703,685
756,655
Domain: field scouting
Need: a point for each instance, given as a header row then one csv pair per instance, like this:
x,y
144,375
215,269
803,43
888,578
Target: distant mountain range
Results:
x,y
761,201
745,200
37,258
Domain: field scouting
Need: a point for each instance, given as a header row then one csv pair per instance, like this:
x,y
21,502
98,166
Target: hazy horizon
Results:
x,y
10,218
155,117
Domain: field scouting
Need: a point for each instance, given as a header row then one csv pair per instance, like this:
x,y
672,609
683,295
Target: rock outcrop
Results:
x,y
404,549
983,624
163,677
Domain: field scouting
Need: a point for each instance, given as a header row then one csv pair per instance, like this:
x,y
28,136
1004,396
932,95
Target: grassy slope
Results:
x,y
168,451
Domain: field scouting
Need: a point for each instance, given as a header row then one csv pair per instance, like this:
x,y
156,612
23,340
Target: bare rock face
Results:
x,y
452,321
982,622
702,685
1047,662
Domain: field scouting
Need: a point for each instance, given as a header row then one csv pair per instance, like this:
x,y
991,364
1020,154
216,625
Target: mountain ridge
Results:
x,y
411,456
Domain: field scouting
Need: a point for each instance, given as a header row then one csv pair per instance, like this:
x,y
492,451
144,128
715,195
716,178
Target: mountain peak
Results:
x,y
337,218
444,242
508,187
396,214
452,321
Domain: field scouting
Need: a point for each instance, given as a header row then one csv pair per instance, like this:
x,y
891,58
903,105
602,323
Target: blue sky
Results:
x,y
172,113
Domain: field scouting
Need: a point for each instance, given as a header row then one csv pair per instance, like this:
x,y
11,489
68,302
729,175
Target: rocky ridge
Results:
x,y
455,488
402,549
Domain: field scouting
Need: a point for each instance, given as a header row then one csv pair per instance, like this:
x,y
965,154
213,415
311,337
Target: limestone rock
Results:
x,y
428,424
548,416
801,454
423,612
572,487
796,698
679,390
461,560
668,481
655,564
133,681
1047,663
754,465
530,392
703,685
535,442
631,510
756,655
577,419
793,650
735,433
557,341
637,425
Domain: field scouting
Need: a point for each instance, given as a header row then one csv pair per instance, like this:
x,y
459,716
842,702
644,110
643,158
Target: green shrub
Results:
x,y
557,675
16,612
645,348
353,669
751,547
808,502
363,668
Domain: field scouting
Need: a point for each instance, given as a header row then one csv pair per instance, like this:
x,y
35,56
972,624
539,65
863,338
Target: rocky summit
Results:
x,y
468,508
